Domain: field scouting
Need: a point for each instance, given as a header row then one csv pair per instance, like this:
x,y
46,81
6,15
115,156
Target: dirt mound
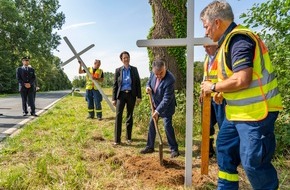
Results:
x,y
171,174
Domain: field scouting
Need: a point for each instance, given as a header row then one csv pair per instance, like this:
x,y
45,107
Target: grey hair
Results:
x,y
158,64
218,9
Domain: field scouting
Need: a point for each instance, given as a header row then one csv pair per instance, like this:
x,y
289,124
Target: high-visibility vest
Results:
x,y
211,74
262,96
89,83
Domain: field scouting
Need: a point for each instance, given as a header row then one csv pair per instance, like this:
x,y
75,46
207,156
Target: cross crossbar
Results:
x,y
80,53
89,74
173,42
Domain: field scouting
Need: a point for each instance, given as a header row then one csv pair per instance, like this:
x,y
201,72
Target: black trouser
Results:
x,y
124,98
27,94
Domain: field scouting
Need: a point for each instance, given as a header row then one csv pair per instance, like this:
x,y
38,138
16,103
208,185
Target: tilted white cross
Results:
x,y
77,56
189,42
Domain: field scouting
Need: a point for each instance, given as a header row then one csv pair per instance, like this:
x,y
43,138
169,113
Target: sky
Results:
x,y
114,26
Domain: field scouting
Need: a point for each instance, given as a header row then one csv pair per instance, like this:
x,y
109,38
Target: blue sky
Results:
x,y
114,26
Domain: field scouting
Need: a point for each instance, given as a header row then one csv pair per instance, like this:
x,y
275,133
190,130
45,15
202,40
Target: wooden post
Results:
x,y
206,110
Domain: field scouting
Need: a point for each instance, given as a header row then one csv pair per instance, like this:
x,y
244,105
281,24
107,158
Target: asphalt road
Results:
x,y
11,118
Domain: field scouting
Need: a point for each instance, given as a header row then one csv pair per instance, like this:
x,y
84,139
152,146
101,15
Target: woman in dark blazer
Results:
x,y
127,87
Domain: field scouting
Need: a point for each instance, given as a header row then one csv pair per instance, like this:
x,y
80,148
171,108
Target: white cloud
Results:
x,y
78,25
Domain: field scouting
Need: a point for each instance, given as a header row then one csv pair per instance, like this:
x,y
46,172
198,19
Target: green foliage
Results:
x,y
79,82
179,27
109,79
272,19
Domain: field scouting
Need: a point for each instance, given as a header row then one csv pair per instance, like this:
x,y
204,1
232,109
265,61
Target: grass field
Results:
x,y
62,149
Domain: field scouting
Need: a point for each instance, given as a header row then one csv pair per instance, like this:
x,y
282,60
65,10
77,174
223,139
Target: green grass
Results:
x,y
62,149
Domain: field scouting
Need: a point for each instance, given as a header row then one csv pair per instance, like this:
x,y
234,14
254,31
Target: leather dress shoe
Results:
x,y
174,154
147,150
34,114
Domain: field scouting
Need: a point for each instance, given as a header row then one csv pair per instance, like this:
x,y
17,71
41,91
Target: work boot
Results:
x,y
91,115
211,149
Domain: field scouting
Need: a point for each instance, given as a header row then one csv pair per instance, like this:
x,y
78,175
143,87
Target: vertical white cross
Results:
x,y
189,42
77,56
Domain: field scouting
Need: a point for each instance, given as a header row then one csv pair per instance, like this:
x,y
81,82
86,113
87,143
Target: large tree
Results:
x,y
169,18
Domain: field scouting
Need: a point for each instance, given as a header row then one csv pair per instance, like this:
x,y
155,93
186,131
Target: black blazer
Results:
x,y
135,86
25,76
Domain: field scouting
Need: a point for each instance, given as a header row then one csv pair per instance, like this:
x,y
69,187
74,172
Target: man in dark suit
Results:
x,y
127,87
161,86
26,80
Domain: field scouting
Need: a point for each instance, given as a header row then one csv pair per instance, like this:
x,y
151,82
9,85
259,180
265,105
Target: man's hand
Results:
x,y
148,90
114,102
155,115
218,98
27,85
205,87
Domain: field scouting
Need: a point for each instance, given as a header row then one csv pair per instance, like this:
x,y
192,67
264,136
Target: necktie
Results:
x,y
157,84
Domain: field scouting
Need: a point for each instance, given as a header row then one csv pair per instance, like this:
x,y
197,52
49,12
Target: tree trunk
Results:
x,y
164,28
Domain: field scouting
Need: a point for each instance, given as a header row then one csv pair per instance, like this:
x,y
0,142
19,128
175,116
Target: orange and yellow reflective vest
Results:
x,y
210,74
89,83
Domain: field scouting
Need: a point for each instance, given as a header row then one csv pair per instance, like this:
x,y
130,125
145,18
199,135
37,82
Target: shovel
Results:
x,y
157,131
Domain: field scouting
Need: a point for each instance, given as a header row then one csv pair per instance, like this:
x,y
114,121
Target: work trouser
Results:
x,y
217,116
94,99
252,144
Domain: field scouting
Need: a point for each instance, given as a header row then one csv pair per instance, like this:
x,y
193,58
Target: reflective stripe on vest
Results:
x,y
262,96
89,83
228,176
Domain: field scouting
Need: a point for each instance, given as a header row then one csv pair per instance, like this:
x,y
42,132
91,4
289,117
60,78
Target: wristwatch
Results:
x,y
212,88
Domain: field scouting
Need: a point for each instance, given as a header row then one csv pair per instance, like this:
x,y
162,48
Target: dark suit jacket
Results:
x,y
24,76
164,97
136,84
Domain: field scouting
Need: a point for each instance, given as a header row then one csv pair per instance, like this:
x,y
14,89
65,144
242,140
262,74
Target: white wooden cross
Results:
x,y
189,42
77,56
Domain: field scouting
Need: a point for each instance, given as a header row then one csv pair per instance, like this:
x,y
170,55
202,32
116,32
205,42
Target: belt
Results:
x,y
126,91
